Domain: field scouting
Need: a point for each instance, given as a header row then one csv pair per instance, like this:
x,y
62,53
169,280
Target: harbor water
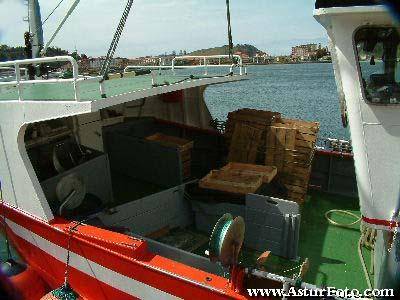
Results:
x,y
303,91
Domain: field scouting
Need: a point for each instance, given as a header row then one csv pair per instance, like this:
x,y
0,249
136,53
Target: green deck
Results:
x,y
332,250
88,90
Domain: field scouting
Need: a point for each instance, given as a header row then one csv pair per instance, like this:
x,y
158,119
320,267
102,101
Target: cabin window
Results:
x,y
378,54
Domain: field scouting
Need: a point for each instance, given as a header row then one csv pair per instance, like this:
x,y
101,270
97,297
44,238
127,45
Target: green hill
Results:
x,y
13,53
245,48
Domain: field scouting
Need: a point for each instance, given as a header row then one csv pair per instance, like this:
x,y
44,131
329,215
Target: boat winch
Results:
x,y
226,240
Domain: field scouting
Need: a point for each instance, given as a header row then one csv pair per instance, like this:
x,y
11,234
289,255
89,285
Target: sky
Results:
x,y
158,26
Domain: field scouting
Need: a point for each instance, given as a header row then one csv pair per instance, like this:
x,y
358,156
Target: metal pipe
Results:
x,y
17,63
69,12
18,79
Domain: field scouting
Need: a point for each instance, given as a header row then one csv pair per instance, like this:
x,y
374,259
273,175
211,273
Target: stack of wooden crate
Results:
x,y
265,137
245,130
290,146
258,119
184,147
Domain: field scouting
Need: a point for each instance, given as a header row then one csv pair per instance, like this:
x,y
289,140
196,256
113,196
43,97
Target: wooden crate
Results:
x,y
297,197
184,147
171,141
290,145
231,181
306,135
244,144
280,143
267,172
256,118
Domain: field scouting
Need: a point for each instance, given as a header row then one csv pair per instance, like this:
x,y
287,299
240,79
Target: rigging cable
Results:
x,y
230,43
115,40
59,3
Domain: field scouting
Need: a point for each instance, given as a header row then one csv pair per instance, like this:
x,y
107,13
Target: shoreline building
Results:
x,y
304,52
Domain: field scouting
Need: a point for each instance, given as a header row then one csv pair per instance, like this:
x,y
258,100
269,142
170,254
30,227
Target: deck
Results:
x,y
332,250
89,90
82,88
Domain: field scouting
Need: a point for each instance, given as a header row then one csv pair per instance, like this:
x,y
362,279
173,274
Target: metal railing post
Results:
x,y
18,79
173,65
20,83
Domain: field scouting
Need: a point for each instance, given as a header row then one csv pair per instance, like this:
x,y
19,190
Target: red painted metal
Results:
x,y
114,251
29,284
388,223
334,153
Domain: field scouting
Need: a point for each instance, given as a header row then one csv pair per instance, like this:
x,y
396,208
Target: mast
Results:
x,y
35,27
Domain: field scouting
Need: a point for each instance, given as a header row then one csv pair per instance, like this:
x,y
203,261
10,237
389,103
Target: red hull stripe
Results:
x,y
119,253
380,222
116,280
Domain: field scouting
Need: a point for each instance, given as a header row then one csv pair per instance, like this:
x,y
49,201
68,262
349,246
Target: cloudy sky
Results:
x,y
158,26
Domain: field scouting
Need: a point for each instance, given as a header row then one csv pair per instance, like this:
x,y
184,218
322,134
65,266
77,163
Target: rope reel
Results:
x,y
71,191
64,292
226,240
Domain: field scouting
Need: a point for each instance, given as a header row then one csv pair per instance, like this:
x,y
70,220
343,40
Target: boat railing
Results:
x,y
332,144
11,70
204,62
19,82
205,59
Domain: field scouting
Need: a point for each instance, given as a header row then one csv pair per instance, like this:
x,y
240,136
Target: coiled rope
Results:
x,y
367,237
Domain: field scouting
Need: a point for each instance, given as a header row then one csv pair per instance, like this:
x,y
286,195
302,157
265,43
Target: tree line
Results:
x,y
13,53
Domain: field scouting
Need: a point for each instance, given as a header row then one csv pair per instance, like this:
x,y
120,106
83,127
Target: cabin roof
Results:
x,y
344,3
89,90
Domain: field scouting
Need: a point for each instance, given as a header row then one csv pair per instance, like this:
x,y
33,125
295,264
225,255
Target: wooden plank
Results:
x,y
256,118
306,137
186,155
302,124
307,144
159,233
231,182
290,140
299,170
291,179
244,144
270,146
171,141
304,150
280,147
267,172
297,197
254,115
301,129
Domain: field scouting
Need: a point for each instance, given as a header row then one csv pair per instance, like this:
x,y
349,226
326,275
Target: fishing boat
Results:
x,y
111,185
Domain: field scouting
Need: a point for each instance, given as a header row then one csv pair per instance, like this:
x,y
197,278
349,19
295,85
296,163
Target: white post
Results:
x,y
102,89
173,66
18,79
205,66
76,90
153,77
